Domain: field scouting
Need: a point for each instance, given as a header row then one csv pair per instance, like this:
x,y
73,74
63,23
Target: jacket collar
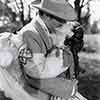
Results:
x,y
41,22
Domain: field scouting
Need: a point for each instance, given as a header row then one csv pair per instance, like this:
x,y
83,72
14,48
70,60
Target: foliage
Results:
x,y
94,28
79,5
8,19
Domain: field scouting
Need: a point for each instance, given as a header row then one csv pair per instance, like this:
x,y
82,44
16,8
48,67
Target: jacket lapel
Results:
x,y
43,35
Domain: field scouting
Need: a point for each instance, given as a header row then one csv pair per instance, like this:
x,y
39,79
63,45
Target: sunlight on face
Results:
x,y
66,29
61,33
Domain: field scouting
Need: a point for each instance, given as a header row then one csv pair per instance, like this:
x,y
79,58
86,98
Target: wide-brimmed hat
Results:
x,y
57,8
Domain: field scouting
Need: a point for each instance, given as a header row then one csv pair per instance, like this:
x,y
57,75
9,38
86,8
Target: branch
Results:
x,y
82,4
85,3
17,5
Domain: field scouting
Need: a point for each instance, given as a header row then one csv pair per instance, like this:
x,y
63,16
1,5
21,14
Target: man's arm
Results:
x,y
54,85
45,67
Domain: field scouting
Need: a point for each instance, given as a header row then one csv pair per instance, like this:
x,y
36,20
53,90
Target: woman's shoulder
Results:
x,y
30,34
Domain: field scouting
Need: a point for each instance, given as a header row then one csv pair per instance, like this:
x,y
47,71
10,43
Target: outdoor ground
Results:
x,y
89,82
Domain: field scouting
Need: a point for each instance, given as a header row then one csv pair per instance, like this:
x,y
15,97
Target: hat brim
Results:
x,y
69,14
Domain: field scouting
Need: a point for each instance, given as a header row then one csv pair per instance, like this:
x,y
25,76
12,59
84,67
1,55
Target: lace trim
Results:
x,y
24,55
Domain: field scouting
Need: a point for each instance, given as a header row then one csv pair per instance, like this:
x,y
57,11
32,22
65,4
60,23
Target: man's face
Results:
x,y
52,23
55,23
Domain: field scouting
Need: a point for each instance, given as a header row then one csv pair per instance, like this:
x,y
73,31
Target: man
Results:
x,y
44,57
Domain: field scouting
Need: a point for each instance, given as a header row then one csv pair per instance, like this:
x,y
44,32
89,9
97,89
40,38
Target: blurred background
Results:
x,y
14,14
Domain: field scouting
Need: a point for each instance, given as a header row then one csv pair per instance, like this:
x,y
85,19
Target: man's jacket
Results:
x,y
58,86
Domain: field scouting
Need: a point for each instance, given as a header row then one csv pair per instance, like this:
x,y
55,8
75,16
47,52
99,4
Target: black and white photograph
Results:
x,y
49,50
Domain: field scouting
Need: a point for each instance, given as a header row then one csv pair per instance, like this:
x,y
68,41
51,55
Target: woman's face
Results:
x,y
8,51
66,30
58,29
62,32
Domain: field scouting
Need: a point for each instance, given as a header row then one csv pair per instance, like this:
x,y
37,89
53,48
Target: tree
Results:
x,y
79,5
77,38
21,12
94,28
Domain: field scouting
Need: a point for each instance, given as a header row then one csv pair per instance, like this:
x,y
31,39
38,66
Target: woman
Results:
x,y
10,70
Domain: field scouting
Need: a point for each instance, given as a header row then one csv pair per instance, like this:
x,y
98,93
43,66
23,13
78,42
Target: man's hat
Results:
x,y
57,8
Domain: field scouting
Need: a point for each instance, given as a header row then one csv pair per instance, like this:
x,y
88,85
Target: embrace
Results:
x,y
34,62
